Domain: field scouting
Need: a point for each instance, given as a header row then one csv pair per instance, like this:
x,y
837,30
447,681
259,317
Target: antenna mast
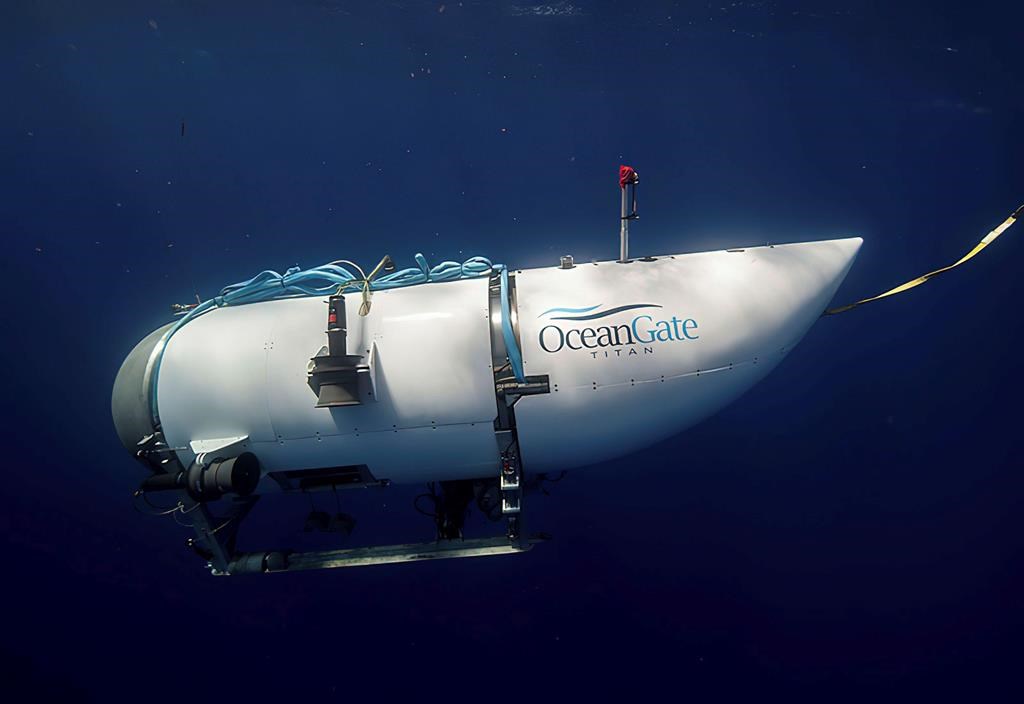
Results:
x,y
628,180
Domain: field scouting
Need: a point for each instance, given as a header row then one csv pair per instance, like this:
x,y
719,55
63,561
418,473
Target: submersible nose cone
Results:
x,y
130,400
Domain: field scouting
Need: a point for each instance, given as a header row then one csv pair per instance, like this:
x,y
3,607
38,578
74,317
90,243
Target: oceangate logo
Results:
x,y
638,336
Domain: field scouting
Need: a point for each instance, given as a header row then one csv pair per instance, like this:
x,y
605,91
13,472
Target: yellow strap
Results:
x,y
986,241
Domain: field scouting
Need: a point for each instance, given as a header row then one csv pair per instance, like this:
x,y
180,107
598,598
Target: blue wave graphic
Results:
x,y
568,310
611,311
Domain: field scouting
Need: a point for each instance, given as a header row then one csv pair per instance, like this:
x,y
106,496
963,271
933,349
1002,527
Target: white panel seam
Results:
x,y
669,377
465,424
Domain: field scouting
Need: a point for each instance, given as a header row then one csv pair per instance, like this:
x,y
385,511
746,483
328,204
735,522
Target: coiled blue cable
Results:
x,y
329,279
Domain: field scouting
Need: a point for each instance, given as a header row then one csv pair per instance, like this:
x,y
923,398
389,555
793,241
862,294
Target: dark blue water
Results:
x,y
853,527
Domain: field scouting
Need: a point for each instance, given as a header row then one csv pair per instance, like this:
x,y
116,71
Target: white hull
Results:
x,y
695,332
749,309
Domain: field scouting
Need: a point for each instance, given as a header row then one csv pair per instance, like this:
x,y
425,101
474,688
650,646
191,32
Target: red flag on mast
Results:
x,y
627,175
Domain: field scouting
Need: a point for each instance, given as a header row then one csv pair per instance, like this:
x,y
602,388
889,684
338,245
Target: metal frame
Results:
x,y
215,543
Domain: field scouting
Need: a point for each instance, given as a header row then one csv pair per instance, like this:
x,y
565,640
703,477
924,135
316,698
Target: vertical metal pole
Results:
x,y
624,228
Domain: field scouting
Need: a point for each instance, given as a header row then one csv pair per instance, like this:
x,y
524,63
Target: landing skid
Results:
x,y
217,544
261,563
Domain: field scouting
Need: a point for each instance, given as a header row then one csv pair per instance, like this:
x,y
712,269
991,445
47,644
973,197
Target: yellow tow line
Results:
x,y
986,240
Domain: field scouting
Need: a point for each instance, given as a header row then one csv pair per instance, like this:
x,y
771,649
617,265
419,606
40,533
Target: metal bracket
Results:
x,y
229,446
511,484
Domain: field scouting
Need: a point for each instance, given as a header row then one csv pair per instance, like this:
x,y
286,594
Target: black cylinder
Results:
x,y
164,482
236,475
337,326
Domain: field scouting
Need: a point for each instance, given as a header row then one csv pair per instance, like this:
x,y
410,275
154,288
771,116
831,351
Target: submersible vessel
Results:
x,y
469,376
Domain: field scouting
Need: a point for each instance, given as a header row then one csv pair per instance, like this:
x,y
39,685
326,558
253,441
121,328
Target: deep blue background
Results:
x,y
855,523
